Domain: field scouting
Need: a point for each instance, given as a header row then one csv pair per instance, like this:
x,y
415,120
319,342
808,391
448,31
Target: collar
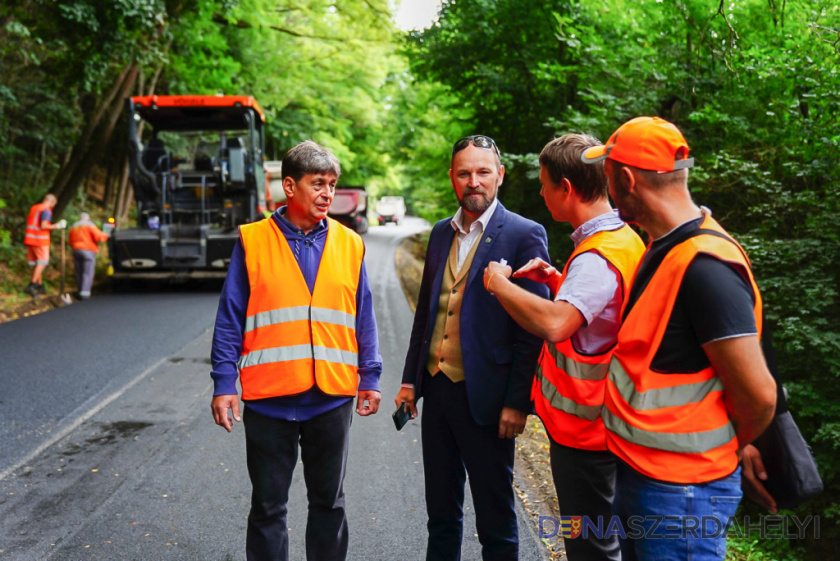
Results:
x,y
290,229
457,221
604,222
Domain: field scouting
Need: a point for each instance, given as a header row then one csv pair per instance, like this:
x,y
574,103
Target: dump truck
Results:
x,y
349,207
390,209
196,166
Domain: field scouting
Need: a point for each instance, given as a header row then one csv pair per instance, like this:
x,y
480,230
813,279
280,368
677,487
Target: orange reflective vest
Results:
x,y
568,389
34,234
85,235
668,426
295,339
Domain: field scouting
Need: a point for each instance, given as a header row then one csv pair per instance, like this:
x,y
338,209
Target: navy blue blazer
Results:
x,y
499,356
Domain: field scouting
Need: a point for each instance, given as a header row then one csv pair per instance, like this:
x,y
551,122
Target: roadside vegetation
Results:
x,y
753,84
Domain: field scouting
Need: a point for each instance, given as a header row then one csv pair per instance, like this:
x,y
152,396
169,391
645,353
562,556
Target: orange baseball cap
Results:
x,y
647,143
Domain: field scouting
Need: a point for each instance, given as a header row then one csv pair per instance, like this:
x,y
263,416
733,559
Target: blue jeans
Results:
x,y
681,522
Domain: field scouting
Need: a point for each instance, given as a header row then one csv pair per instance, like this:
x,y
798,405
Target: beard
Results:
x,y
475,204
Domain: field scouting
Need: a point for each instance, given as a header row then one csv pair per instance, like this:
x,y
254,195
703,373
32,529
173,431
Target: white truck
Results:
x,y
390,209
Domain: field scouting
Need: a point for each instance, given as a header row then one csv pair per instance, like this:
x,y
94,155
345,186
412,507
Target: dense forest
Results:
x,y
753,84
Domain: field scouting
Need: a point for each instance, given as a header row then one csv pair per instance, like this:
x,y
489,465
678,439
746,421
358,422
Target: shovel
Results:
x,y
64,296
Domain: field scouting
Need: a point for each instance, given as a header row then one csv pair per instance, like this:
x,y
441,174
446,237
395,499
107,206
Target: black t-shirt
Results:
x,y
715,301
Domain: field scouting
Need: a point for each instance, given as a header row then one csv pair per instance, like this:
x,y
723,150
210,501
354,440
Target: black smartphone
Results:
x,y
401,415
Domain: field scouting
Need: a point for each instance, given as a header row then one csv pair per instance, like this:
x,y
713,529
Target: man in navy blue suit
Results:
x,y
471,361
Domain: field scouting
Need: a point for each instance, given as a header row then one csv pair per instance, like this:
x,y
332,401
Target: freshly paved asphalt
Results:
x,y
108,449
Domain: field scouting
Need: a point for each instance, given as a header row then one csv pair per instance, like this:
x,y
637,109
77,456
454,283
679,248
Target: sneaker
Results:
x,y
32,289
40,288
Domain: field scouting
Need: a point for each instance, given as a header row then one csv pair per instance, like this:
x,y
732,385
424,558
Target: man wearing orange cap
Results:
x,y
688,387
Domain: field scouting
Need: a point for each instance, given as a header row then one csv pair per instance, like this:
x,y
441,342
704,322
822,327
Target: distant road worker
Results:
x,y
84,239
37,241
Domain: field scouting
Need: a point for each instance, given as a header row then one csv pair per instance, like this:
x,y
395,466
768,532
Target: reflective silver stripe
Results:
x,y
297,352
272,317
336,355
325,315
577,370
28,227
558,401
673,396
277,354
299,313
37,237
686,443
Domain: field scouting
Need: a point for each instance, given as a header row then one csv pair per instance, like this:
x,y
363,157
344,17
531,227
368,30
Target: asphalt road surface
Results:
x,y
108,449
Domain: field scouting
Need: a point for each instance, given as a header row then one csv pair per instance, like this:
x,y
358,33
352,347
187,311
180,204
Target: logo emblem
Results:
x,y
570,526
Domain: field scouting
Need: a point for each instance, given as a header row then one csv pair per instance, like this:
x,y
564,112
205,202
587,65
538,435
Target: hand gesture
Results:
x,y
536,270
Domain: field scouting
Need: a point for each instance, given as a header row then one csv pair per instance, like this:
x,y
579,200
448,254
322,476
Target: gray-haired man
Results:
x,y
296,325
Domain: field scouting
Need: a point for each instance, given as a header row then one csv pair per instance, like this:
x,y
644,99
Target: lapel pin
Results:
x,y
488,240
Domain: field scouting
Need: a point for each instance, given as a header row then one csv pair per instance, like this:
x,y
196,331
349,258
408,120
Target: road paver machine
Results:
x,y
196,167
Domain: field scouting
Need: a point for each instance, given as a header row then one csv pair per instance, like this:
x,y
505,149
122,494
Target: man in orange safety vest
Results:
x,y
579,327
688,387
37,241
84,239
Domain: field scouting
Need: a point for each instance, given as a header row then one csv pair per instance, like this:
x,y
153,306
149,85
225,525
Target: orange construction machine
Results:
x,y
197,174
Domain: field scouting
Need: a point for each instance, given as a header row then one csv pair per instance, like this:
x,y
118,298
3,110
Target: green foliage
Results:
x,y
423,121
318,68
755,87
753,84
5,235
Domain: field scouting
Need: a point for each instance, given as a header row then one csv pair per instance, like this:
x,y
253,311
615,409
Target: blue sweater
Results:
x,y
230,326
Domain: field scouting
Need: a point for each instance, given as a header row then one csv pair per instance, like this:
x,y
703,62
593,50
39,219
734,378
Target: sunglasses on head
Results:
x,y
479,141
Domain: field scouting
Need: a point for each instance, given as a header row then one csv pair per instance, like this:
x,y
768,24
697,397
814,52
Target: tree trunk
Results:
x,y
88,156
124,195
77,154
125,192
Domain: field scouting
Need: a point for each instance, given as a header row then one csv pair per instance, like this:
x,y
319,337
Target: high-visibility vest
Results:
x,y
568,390
671,426
85,235
34,234
295,339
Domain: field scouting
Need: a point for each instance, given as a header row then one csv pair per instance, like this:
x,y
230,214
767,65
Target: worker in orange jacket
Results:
x,y
688,387
37,241
84,240
579,327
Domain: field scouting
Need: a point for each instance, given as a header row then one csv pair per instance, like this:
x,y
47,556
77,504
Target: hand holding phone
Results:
x,y
401,415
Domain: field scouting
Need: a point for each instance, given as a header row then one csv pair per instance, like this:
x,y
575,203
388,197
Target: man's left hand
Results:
x,y
511,422
367,402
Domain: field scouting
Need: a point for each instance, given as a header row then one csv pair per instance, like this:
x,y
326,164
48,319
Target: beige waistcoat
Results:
x,y
445,348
